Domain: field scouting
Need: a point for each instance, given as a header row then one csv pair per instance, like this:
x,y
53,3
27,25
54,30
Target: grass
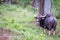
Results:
x,y
19,19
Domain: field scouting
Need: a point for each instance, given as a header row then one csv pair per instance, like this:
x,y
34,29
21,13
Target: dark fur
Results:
x,y
48,23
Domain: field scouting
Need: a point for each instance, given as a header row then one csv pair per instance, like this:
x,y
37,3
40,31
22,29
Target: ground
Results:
x,y
17,23
8,34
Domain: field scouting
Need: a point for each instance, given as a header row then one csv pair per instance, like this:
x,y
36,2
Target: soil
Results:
x,y
7,34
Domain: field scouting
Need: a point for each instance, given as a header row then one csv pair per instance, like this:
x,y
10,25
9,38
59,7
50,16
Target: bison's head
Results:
x,y
39,17
42,17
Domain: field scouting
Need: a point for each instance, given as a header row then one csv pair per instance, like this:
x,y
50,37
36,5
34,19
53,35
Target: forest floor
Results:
x,y
16,23
8,34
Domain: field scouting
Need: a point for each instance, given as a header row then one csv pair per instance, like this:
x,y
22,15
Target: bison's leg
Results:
x,y
54,31
49,30
45,30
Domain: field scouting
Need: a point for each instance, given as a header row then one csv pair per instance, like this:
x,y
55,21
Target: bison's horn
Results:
x,y
43,16
35,15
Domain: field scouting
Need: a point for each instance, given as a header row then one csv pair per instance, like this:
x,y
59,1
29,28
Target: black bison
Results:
x,y
48,22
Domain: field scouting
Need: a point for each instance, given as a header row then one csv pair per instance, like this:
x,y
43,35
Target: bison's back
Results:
x,y
50,22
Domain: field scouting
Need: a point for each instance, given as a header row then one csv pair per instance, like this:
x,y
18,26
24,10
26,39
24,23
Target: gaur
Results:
x,y
47,22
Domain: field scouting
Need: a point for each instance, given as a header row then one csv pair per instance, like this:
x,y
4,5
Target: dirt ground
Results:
x,y
6,34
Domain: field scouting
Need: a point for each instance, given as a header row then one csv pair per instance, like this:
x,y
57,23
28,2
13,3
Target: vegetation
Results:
x,y
55,8
19,18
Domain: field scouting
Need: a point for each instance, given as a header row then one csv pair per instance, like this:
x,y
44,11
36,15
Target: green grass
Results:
x,y
19,19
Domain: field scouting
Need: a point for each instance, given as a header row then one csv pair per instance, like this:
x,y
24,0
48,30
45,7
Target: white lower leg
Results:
x,y
54,33
49,32
45,30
